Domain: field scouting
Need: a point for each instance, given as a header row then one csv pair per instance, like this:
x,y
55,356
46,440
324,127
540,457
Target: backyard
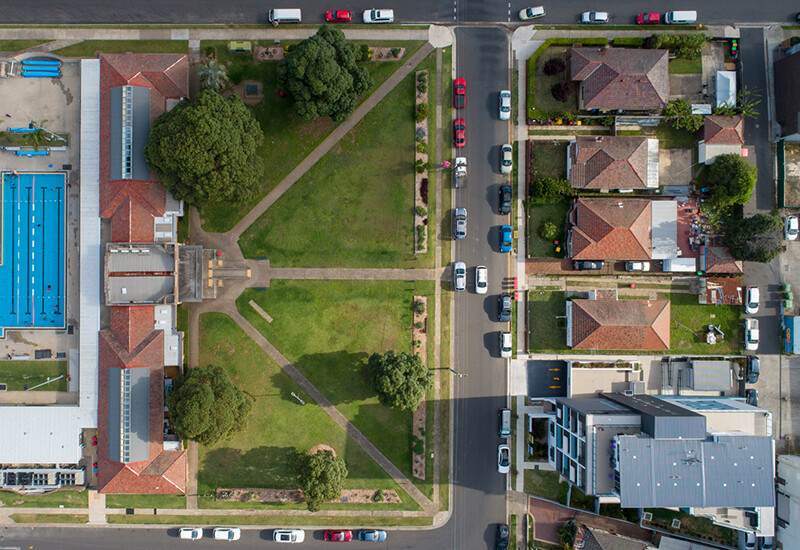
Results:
x,y
539,213
22,375
690,321
547,332
668,137
686,66
691,526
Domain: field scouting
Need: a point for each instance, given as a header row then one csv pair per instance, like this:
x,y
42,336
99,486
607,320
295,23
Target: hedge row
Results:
x,y
629,41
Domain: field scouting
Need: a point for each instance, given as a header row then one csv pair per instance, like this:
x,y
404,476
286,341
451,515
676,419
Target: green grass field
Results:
x,y
686,66
538,214
546,332
90,48
544,99
17,45
65,498
690,321
18,374
549,159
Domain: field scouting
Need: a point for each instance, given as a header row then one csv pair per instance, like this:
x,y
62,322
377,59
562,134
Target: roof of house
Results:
x,y
620,324
787,100
621,78
723,130
613,162
718,259
611,229
597,539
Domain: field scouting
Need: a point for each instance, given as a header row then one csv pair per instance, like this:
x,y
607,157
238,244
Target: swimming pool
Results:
x,y
32,282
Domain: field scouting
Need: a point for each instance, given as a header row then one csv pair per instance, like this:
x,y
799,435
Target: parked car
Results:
x,y
505,345
504,308
648,18
501,538
751,300
460,276
504,418
637,266
505,199
459,133
752,369
338,536
290,536
460,93
372,535
503,458
751,334
766,543
586,265
460,223
506,242
505,104
594,17
379,16
190,533
338,16
791,228
481,279
227,533
531,13
749,539
506,158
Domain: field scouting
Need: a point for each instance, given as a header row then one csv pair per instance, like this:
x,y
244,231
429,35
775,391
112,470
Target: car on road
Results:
x,y
752,369
190,533
506,158
460,93
338,536
637,266
505,345
648,18
290,536
227,533
504,104
791,228
459,133
504,308
594,17
460,223
460,276
372,535
751,300
587,265
505,199
338,16
751,334
506,241
501,537
379,16
503,458
531,13
481,279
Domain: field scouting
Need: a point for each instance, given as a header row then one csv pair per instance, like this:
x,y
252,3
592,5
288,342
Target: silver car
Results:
x,y
460,276
460,223
505,105
506,159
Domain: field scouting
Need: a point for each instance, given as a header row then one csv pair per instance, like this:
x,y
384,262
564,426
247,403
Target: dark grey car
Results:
x,y
504,307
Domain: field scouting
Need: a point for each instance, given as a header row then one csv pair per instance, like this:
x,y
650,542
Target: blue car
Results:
x,y
505,238
371,535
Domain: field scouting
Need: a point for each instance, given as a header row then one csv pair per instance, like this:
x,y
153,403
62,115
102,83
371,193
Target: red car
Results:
x,y
648,19
338,536
460,93
459,133
338,16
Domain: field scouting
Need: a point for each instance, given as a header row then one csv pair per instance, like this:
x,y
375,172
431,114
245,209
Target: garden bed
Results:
x,y
349,496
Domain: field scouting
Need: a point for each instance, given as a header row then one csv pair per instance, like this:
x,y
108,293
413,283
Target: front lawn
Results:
x,y
555,212
690,322
685,66
90,48
66,498
547,333
12,46
543,97
545,484
146,501
21,374
549,159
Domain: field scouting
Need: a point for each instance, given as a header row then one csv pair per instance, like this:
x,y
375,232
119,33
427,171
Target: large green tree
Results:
x,y
321,477
679,113
322,76
754,239
212,75
206,407
401,381
207,149
731,180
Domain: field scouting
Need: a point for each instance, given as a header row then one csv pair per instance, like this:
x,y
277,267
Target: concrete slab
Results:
x,y
675,167
687,86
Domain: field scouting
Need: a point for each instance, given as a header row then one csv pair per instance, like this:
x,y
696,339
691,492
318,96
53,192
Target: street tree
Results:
x,y
401,381
321,477
322,76
206,407
207,149
754,239
730,180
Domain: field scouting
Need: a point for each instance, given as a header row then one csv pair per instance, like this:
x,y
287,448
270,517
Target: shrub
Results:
x,y
418,446
629,41
419,324
679,113
561,91
606,121
420,236
419,307
211,52
548,231
550,187
378,496
422,112
421,166
395,52
423,189
554,65
684,46
422,147
422,87
421,212
422,77
364,52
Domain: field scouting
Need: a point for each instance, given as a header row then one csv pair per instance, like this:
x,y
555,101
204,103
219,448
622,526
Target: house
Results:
x,y
787,100
718,260
788,505
625,79
613,162
721,135
603,322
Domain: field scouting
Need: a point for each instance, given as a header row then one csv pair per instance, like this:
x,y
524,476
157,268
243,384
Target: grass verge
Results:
x,y
19,374
50,518
65,498
13,46
279,521
90,48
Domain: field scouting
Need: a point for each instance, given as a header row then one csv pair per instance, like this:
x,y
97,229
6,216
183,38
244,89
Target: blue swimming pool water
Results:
x,y
32,282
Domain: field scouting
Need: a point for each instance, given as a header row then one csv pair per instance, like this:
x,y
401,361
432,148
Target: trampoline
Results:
x,y
32,250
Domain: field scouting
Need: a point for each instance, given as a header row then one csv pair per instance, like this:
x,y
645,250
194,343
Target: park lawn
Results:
x,y
545,484
547,333
18,374
65,498
279,427
146,501
690,321
12,46
354,208
543,98
549,159
287,138
685,66
90,48
538,213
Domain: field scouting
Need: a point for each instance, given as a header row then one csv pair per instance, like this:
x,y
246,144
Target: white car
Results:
x,y
379,16
505,345
751,300
503,458
289,536
504,104
637,266
460,276
506,159
481,279
791,228
227,533
594,17
191,533
751,334
531,13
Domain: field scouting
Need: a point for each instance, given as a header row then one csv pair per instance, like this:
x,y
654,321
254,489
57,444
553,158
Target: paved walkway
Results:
x,y
97,507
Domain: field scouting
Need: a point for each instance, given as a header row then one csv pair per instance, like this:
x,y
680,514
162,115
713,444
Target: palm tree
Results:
x,y
213,76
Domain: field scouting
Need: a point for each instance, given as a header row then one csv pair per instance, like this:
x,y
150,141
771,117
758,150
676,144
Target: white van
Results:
x,y
289,15
687,17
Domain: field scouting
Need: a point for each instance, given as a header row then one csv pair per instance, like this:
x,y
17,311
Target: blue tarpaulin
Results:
x,y
791,335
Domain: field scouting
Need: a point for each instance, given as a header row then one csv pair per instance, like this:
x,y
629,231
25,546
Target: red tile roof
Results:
x,y
608,162
610,229
724,130
620,324
717,259
621,78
